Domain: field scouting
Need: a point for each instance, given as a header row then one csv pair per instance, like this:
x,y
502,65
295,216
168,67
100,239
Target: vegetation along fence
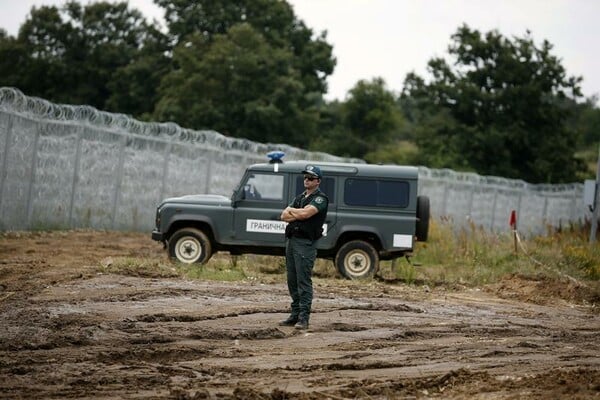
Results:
x,y
67,166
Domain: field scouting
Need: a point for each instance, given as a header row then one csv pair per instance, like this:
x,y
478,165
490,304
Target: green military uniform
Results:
x,y
301,252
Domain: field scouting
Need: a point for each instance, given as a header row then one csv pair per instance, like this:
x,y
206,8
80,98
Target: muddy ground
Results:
x,y
69,330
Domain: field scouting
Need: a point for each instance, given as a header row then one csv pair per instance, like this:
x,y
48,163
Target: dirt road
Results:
x,y
69,330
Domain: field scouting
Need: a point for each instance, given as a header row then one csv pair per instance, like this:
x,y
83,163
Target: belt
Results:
x,y
300,235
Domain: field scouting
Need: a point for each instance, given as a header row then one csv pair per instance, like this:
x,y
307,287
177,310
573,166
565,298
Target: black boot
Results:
x,y
302,324
290,321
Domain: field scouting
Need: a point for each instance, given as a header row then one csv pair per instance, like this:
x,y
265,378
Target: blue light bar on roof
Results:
x,y
275,156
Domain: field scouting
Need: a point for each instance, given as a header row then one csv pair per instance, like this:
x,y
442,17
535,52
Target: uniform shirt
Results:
x,y
312,227
318,199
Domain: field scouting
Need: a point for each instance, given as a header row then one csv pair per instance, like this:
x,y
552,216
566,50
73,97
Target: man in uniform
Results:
x,y
305,217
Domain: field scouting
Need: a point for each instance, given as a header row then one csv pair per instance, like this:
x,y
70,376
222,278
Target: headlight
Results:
x,y
158,218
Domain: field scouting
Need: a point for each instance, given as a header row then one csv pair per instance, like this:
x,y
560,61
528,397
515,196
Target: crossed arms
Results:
x,y
291,214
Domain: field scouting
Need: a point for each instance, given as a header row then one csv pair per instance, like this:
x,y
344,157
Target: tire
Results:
x,y
190,245
357,260
422,226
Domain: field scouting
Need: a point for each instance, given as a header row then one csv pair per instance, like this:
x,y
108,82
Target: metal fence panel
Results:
x,y
52,181
76,167
19,151
142,172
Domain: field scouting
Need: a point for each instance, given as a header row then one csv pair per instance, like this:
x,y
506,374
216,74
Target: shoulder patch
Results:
x,y
319,199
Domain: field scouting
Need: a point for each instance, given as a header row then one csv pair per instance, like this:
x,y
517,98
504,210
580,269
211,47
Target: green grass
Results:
x,y
137,266
469,257
474,256
218,270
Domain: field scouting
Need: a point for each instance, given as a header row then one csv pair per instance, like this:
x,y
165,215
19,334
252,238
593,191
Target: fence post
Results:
x,y
4,171
470,186
119,179
165,172
519,201
493,219
573,214
545,214
208,171
445,198
76,166
34,158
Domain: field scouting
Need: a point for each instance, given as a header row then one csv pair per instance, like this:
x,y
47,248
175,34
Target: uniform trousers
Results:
x,y
300,255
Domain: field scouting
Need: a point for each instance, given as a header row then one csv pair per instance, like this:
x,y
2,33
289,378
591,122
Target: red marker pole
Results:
x,y
513,225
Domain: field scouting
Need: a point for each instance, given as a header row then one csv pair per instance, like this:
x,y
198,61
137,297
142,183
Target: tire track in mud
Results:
x,y
110,336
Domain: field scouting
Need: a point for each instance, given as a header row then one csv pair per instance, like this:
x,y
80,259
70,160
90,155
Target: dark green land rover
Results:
x,y
374,214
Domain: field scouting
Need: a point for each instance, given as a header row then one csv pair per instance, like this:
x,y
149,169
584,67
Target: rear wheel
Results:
x,y
190,245
357,259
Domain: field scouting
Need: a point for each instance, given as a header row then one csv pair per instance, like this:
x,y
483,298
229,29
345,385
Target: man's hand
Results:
x,y
287,216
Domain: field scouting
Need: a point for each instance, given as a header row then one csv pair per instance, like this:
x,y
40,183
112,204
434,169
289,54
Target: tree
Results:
x,y
274,20
498,109
73,53
366,121
587,123
13,61
106,55
239,85
134,85
273,81
34,61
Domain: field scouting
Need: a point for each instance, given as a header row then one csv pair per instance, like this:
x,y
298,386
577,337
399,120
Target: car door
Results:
x,y
256,214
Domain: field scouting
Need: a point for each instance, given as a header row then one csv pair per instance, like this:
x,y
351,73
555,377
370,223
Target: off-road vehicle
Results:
x,y
374,214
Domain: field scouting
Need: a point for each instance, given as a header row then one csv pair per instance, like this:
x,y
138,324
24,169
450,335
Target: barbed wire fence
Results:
x,y
64,166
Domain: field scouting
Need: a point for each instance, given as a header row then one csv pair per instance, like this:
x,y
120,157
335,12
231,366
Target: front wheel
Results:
x,y
357,260
190,245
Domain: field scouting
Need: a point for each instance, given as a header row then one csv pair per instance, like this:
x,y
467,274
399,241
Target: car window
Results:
x,y
264,187
327,186
376,193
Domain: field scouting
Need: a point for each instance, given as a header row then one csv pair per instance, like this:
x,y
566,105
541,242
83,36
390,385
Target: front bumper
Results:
x,y
158,236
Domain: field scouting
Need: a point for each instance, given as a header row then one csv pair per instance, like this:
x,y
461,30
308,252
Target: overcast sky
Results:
x,y
389,38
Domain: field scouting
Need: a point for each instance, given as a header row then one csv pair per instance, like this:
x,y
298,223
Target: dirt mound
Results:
x,y
542,289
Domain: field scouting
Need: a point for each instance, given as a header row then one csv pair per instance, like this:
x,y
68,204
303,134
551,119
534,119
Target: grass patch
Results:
x,y
473,256
222,268
142,267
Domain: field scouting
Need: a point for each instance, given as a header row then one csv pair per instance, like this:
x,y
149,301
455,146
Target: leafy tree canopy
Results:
x,y
273,19
75,53
237,84
247,69
368,119
500,108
